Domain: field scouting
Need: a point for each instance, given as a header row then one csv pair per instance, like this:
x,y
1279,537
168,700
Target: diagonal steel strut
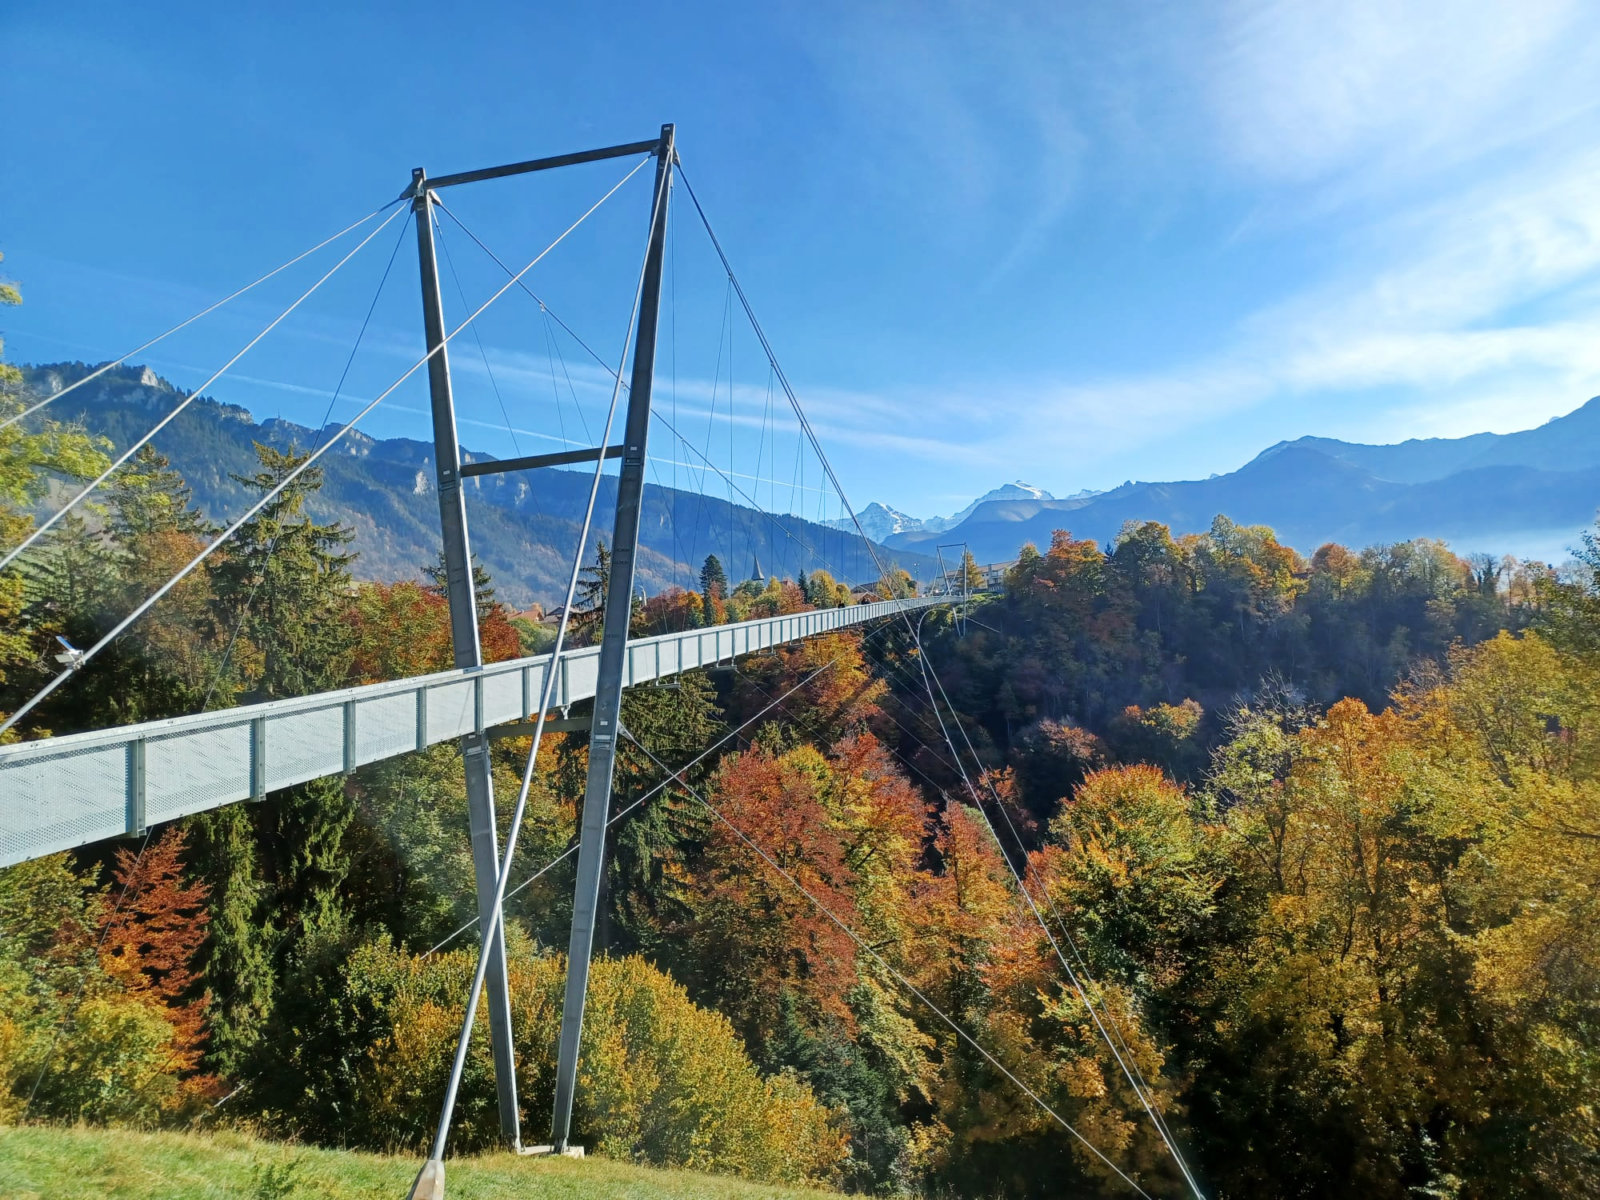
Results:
x,y
613,653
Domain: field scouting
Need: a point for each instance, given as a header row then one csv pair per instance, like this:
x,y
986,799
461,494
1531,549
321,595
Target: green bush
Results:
x,y
661,1081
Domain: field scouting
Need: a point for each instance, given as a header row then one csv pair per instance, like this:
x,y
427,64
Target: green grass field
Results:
x,y
44,1163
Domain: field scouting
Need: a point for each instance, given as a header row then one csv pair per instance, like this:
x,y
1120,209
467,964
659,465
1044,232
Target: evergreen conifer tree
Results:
x,y
482,584
589,602
713,579
147,496
274,871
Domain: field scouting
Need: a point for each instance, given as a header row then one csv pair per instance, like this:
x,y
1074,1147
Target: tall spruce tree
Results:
x,y
589,602
644,880
483,593
713,579
285,584
238,956
275,871
147,496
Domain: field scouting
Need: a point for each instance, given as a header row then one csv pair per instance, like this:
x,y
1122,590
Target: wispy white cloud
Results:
x,y
1439,152
1442,151
1301,89
967,112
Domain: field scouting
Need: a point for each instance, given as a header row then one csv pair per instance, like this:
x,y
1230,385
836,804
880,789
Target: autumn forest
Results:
x,y
1307,846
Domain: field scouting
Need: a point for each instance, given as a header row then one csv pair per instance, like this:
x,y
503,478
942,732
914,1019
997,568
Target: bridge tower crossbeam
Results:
x,y
605,723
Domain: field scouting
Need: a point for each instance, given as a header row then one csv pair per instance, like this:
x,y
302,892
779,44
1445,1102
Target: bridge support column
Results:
x,y
606,723
468,653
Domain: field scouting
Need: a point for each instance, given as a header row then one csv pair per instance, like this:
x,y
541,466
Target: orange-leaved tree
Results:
x,y
755,936
153,938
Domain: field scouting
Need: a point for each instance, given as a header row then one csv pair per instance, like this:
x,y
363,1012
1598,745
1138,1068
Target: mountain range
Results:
x,y
1530,493
881,522
523,524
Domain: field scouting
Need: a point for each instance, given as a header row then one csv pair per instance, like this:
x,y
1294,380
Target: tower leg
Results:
x,y
464,639
606,725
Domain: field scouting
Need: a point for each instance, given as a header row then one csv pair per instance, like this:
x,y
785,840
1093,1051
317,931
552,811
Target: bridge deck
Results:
x,y
62,792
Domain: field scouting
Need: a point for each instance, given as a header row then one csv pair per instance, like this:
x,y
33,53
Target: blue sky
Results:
x,y
1070,243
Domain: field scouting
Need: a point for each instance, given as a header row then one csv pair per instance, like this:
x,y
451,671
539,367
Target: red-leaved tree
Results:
x,y
154,935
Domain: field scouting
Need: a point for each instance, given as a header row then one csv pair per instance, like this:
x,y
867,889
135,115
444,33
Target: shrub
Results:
x,y
99,1030
661,1080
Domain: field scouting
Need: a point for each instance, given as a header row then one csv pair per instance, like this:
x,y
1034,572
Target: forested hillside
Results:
x,y
1320,839
523,524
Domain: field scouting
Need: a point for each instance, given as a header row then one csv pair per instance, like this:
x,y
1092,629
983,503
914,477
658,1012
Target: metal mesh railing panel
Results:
x,y
385,726
582,676
502,697
193,771
304,745
54,803
449,711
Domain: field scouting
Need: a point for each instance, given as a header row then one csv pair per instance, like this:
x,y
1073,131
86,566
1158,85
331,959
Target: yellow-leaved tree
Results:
x,y
660,1080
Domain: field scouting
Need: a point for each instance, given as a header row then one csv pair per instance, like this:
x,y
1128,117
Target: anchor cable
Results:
x,y
896,975
116,362
827,466
288,479
189,399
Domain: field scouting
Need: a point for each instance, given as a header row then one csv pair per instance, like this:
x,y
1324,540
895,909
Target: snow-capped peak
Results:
x,y
1006,491
880,521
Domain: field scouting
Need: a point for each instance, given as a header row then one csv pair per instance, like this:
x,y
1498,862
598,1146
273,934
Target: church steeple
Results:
x,y
755,570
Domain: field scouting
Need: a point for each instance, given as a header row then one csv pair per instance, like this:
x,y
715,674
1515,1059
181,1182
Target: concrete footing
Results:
x,y
430,1182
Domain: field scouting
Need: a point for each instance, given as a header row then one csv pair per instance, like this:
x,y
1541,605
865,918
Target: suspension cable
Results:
x,y
532,295
477,335
297,471
688,766
1083,966
617,376
810,434
827,466
754,503
327,417
882,962
190,398
1072,976
101,370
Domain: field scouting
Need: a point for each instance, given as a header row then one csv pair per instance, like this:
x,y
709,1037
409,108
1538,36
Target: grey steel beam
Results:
x,y
606,721
495,466
542,164
137,824
468,654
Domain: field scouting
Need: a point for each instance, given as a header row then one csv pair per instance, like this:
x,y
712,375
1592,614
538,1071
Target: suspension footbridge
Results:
x,y
58,793
64,792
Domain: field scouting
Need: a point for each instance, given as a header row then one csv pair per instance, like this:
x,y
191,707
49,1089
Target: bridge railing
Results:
x,y
68,791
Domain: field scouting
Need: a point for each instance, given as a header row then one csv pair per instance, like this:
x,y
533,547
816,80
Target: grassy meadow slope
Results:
x,y
43,1163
